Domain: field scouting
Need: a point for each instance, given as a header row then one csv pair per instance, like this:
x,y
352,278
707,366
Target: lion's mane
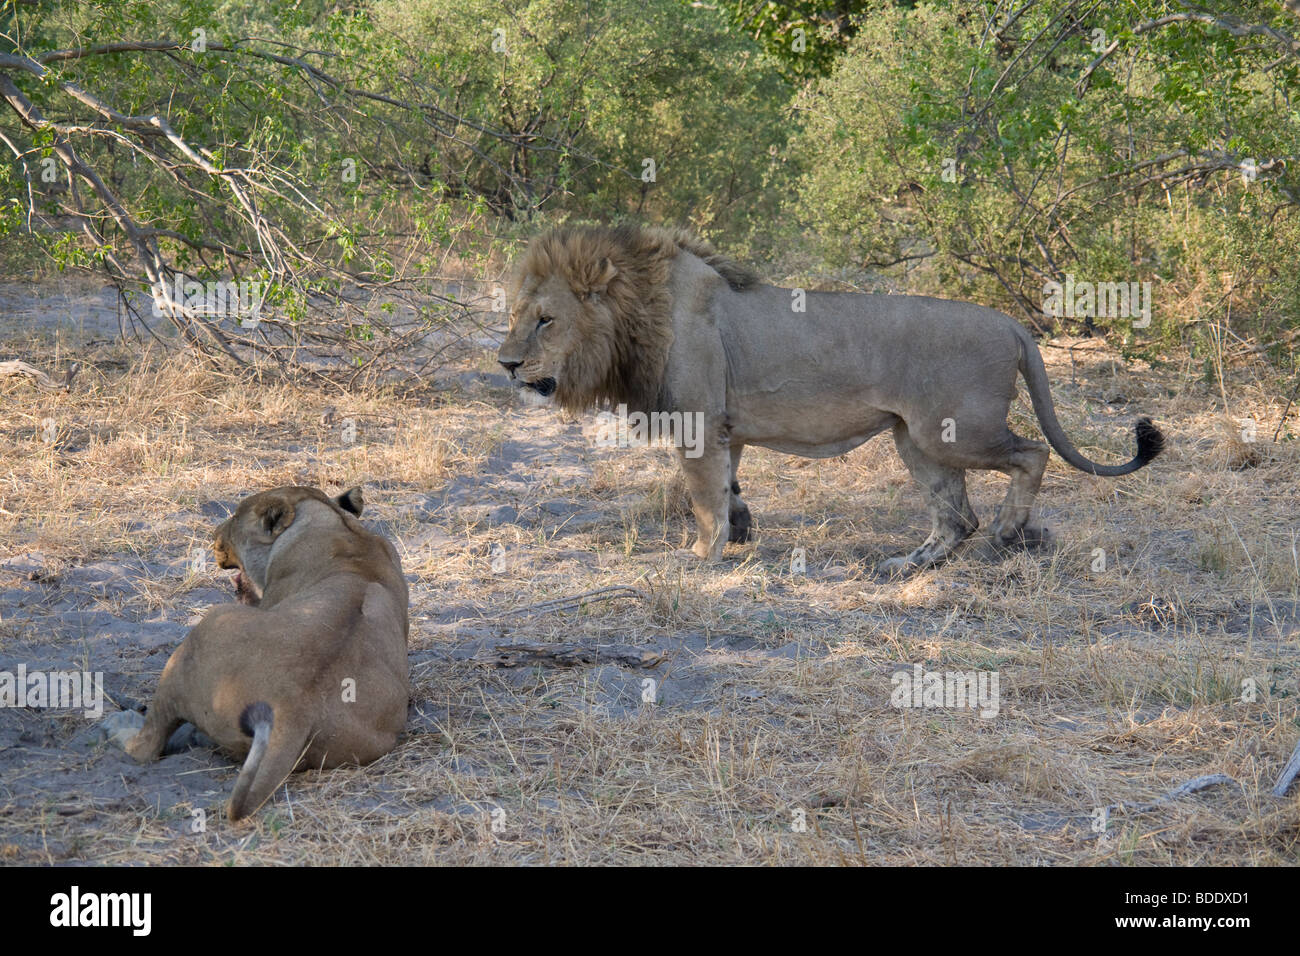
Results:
x,y
623,351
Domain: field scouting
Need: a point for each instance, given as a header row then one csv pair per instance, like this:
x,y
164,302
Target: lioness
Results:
x,y
310,667
659,321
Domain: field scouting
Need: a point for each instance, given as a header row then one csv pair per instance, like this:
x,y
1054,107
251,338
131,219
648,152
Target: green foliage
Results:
x,y
587,93
985,159
473,109
805,37
961,147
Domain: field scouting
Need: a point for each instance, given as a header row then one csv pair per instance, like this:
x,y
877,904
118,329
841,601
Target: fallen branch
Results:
x,y
1191,786
15,367
1288,773
574,601
569,655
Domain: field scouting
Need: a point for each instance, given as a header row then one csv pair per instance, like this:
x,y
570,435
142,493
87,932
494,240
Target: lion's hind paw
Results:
x,y
1028,538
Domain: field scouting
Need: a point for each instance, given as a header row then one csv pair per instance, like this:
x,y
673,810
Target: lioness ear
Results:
x,y
607,273
275,517
351,501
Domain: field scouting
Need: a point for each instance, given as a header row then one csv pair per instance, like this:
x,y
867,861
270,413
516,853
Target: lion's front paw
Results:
x,y
896,568
120,729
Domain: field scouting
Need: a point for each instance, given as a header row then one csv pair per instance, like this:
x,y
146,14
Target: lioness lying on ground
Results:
x,y
310,669
660,322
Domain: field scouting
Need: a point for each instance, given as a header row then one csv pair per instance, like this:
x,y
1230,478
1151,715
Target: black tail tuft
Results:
x,y
1150,441
253,715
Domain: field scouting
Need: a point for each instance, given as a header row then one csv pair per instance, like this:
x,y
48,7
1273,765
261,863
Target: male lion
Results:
x,y
310,668
659,321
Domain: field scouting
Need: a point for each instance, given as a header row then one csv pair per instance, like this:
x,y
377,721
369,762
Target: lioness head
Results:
x,y
245,539
590,318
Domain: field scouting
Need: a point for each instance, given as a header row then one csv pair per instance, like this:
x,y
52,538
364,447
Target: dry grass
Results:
x,y
774,700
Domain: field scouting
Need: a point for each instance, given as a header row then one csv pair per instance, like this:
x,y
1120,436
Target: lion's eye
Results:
x,y
544,321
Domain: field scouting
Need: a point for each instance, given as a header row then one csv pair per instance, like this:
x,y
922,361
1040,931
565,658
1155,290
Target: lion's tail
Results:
x,y
271,758
1150,442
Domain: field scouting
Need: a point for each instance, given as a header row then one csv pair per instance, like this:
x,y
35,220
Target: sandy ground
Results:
x,y
677,713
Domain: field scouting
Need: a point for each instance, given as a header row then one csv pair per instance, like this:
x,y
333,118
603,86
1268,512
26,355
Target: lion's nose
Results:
x,y
509,366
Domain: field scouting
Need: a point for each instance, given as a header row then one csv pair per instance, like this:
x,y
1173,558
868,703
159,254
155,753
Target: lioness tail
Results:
x,y
1149,440
256,721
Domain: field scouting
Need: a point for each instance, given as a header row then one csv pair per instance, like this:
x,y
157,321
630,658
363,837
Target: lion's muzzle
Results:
x,y
542,386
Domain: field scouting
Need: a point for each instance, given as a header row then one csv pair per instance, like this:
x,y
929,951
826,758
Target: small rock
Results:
x,y
503,515
118,729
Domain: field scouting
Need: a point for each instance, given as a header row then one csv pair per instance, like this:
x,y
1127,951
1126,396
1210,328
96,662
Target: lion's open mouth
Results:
x,y
543,386
245,591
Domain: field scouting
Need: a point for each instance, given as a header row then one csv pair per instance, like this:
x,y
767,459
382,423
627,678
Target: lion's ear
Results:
x,y
275,517
607,272
351,501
